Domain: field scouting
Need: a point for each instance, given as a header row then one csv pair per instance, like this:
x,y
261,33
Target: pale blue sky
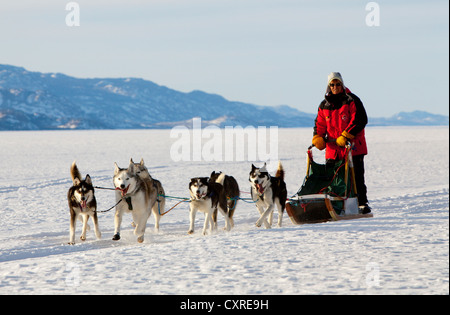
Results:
x,y
265,52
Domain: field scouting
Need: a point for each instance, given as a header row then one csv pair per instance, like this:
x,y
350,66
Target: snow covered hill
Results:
x,y
414,118
43,101
34,101
403,249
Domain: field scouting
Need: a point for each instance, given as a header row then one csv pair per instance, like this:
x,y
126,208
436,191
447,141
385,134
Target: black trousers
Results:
x,y
358,163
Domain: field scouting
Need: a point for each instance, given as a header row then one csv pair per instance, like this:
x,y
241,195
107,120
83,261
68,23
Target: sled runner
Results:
x,y
328,192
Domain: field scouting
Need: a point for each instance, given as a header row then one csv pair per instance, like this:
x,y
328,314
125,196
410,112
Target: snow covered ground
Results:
x,y
404,249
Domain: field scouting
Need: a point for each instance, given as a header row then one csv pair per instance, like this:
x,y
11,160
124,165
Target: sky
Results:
x,y
264,52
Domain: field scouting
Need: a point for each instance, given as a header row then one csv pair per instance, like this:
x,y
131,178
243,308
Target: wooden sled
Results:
x,y
318,208
312,203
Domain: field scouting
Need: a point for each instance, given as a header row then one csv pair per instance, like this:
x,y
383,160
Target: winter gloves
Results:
x,y
342,140
318,142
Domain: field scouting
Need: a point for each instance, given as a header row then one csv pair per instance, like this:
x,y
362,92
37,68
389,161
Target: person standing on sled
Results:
x,y
342,117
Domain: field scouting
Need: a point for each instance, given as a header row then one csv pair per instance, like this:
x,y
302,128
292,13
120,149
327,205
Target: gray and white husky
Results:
x,y
157,193
208,197
82,204
138,195
268,191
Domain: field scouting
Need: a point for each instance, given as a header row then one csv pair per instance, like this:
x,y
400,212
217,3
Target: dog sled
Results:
x,y
328,192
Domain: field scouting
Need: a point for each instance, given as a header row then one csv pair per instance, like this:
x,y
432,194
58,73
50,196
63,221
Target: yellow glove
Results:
x,y
318,142
342,140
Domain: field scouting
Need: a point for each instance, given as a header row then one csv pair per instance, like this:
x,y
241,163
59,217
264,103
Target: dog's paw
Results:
x,y
140,239
191,232
71,243
116,237
83,238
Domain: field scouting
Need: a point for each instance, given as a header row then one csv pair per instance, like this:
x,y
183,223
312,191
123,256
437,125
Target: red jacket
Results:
x,y
337,113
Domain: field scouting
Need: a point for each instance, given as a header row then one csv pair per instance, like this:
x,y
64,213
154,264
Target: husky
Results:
x,y
82,204
207,197
266,192
134,195
232,193
156,191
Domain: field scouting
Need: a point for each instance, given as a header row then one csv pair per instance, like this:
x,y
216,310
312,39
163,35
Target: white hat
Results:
x,y
335,76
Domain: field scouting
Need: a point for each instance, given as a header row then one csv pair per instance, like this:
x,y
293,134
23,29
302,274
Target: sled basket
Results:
x,y
328,193
311,209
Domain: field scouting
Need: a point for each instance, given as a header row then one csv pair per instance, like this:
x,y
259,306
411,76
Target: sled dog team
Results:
x,y
141,195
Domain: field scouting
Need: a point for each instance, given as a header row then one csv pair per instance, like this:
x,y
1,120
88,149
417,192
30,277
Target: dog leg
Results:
x,y
141,222
280,213
212,225
263,217
85,225
208,221
214,219
261,212
98,234
228,224
73,222
192,213
231,207
117,223
270,219
157,207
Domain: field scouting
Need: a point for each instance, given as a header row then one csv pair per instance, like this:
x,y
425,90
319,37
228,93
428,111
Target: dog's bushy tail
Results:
x,y
220,179
74,172
280,171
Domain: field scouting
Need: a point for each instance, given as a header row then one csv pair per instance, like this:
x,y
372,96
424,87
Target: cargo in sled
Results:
x,y
328,192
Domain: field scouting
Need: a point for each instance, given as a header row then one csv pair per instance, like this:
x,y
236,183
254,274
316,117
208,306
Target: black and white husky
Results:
x,y
232,193
138,196
268,191
207,197
82,204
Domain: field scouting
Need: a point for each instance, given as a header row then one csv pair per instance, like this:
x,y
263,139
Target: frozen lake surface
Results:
x,y
403,249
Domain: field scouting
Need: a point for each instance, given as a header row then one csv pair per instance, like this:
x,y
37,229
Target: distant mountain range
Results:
x,y
45,101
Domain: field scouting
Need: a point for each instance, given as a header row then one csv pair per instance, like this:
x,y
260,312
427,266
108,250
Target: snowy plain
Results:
x,y
403,249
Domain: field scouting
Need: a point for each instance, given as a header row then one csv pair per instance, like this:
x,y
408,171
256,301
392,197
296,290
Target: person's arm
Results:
x,y
359,117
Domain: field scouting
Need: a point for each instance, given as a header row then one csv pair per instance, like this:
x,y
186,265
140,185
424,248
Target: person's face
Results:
x,y
336,86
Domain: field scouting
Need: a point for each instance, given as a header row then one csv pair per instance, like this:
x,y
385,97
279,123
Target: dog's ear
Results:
x,y
253,167
76,181
142,161
116,168
212,174
263,169
131,160
132,168
88,179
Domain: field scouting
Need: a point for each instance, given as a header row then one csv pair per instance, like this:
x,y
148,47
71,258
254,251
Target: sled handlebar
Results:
x,y
327,140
